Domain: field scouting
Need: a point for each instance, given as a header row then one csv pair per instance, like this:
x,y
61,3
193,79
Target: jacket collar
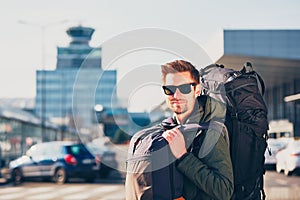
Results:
x,y
207,109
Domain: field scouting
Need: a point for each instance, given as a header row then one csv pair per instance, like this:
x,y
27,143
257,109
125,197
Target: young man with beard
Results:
x,y
207,174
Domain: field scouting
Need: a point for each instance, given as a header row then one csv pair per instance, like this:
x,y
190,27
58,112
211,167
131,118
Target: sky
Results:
x,y
200,21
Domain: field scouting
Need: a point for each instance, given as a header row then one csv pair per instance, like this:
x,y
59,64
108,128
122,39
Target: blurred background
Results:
x,y
88,71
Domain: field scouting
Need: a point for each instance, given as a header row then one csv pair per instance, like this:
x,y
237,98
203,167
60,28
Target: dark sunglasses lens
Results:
x,y
169,90
185,88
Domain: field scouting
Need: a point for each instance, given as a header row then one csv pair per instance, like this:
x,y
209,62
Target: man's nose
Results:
x,y
177,93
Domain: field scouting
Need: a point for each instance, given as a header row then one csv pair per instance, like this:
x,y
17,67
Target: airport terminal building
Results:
x,y
275,55
78,83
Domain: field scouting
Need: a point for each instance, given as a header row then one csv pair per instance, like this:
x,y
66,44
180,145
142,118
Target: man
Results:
x,y
208,174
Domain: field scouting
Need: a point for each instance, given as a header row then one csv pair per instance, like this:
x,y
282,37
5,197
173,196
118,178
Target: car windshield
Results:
x,y
32,151
77,149
277,145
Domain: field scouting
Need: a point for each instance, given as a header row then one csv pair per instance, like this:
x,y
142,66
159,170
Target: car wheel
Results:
x,y
287,172
60,176
17,177
278,169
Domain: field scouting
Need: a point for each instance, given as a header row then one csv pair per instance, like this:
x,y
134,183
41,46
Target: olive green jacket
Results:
x,y
209,175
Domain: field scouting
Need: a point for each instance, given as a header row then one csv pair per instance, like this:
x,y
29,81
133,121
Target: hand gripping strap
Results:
x,y
215,125
193,134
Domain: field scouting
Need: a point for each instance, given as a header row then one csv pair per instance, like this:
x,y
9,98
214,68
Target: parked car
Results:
x,y
288,159
274,145
58,160
105,157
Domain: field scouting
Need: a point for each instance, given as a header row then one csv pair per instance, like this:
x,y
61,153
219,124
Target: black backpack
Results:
x,y
246,122
151,172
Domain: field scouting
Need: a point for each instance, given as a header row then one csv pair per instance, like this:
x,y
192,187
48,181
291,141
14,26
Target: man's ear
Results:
x,y
197,90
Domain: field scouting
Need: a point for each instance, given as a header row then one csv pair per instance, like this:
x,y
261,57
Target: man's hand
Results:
x,y
176,142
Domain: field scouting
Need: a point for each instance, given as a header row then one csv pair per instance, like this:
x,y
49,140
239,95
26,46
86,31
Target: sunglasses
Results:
x,y
184,88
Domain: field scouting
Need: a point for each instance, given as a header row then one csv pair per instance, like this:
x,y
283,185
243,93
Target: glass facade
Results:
x,y
263,43
281,44
61,88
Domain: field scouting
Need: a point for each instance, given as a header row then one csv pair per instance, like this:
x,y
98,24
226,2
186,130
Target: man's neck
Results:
x,y
181,118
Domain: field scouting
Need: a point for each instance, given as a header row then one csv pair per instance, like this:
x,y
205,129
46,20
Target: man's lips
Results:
x,y
178,101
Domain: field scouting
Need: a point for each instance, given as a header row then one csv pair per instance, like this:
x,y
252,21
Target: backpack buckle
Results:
x,y
231,76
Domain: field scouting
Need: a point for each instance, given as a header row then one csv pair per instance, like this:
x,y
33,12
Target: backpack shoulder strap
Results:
x,y
262,84
222,129
197,143
198,140
200,130
169,123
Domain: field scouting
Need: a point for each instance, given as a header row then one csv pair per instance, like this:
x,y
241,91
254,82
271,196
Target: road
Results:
x,y
277,187
78,190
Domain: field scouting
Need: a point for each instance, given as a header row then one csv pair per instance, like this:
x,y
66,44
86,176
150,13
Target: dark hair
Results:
x,y
180,66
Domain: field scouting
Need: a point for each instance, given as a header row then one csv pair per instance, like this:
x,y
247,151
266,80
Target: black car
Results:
x,y
58,160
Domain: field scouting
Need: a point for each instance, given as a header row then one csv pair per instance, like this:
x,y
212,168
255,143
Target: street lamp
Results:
x,y
43,28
